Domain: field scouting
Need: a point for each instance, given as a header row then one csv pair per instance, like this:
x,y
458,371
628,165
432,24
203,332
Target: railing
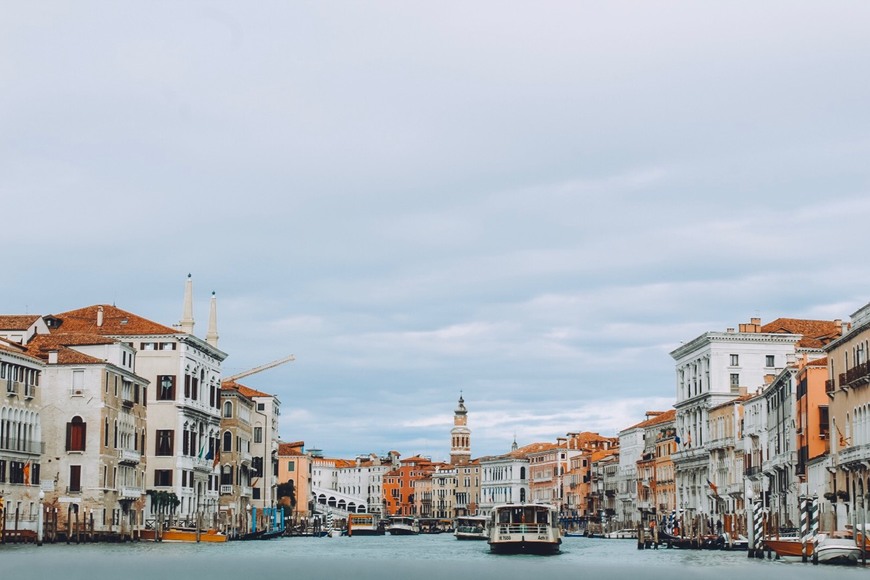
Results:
x,y
130,492
12,387
523,528
29,391
855,453
129,456
246,457
245,491
857,372
829,386
35,447
226,489
202,464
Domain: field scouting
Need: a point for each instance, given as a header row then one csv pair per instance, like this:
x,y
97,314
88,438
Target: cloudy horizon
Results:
x,y
528,204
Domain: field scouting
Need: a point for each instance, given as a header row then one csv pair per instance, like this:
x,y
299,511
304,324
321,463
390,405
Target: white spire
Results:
x,y
186,323
211,336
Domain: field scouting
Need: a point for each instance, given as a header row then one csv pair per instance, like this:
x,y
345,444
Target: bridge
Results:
x,y
339,504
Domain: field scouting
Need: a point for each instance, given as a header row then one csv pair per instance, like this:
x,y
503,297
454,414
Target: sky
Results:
x,y
530,204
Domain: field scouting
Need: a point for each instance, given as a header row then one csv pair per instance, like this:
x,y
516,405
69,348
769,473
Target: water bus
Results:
x,y
470,528
364,525
403,526
524,529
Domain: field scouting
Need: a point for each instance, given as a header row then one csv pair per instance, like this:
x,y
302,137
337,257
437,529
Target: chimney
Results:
x,y
741,391
755,321
52,357
729,330
99,316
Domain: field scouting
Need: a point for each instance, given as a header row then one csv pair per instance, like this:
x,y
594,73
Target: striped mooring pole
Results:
x,y
758,525
805,526
814,524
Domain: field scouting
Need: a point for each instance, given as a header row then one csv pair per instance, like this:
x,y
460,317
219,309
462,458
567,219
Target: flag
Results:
x,y
713,487
677,439
27,473
844,441
201,449
217,456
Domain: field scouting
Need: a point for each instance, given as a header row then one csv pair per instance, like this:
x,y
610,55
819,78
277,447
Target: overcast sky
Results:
x,y
531,203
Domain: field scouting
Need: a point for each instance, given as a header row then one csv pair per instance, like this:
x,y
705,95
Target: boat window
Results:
x,y
504,517
542,517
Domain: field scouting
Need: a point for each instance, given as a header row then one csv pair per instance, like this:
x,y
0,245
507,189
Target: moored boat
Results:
x,y
836,548
788,546
470,528
403,526
364,525
524,529
624,534
183,535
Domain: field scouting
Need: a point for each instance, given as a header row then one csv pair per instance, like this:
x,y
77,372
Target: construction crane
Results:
x,y
260,368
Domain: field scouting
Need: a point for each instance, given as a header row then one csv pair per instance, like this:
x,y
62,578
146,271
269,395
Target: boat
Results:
x,y
403,526
470,528
623,534
183,535
364,525
788,546
836,548
524,529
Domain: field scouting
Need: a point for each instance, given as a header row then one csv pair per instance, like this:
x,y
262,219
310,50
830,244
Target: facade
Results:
x,y
233,460
400,485
848,388
578,508
94,432
507,478
664,487
726,467
651,464
629,505
21,438
710,370
184,406
295,465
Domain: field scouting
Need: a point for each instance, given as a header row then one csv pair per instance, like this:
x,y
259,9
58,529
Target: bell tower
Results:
x,y
460,436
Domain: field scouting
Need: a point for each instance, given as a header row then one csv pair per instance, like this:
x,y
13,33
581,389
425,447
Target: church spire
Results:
x,y
211,336
186,323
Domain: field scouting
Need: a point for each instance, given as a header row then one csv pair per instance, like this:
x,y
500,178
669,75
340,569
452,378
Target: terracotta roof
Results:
x,y
14,348
660,418
115,322
41,344
246,391
819,362
603,453
739,399
816,333
17,321
287,449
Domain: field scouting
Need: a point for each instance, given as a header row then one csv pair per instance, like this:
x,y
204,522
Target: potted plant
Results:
x,y
843,494
831,496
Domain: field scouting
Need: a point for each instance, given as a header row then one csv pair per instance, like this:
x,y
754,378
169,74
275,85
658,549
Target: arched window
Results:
x,y
228,410
522,495
76,430
522,473
228,441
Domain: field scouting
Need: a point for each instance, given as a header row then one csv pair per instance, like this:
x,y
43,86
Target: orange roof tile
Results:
x,y
17,321
288,449
660,418
816,333
246,391
116,322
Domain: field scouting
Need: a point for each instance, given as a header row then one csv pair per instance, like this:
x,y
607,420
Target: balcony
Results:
x,y
127,402
129,492
129,457
246,457
245,491
226,489
200,464
855,376
31,447
13,388
29,391
855,454
829,386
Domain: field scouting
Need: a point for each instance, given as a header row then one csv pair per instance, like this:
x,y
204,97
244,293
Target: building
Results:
x,y
710,370
848,388
726,466
507,478
578,479
654,461
400,485
21,438
234,460
183,416
295,465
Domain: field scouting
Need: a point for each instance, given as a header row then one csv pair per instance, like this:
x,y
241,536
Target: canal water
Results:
x,y
424,557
